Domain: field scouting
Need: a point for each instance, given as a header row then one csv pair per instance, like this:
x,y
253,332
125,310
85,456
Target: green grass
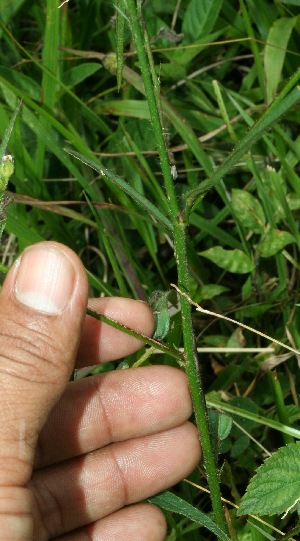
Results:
x,y
221,105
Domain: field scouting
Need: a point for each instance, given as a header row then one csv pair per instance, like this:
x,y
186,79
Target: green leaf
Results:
x,y
158,302
19,227
224,425
9,8
7,133
180,125
246,404
123,185
275,51
77,74
22,81
171,502
133,108
231,260
280,106
274,241
200,17
244,414
253,310
275,488
239,446
291,2
248,210
209,291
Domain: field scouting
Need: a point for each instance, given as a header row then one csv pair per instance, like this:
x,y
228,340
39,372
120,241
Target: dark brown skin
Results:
x,y
72,455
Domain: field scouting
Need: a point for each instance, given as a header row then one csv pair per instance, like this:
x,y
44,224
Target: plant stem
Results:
x,y
191,365
154,106
279,403
194,378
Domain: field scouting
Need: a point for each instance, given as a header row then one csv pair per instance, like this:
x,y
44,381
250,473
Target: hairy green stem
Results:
x,y
155,344
191,364
154,106
194,378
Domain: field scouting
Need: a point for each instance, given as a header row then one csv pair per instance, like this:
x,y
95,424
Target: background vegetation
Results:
x,y
220,64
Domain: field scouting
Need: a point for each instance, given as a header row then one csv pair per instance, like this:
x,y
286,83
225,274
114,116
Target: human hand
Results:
x,y
72,455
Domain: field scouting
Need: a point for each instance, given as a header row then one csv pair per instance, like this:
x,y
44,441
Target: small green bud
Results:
x,y
6,170
110,63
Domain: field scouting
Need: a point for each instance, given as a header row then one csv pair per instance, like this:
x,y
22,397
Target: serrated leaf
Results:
x,y
171,502
274,241
231,260
248,210
200,17
275,488
275,52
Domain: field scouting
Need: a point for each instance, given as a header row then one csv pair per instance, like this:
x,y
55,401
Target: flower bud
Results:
x,y
6,170
110,63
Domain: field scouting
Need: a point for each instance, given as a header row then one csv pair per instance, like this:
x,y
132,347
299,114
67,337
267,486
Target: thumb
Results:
x,y
42,308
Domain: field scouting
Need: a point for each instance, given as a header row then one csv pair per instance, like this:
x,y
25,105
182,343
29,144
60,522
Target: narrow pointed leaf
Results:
x,y
277,41
123,185
171,502
120,24
260,419
8,132
278,108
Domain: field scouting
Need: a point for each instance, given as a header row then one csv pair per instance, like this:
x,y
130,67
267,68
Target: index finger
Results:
x,y
101,342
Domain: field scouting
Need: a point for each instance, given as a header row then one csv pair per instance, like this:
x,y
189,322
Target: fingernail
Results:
x,y
45,279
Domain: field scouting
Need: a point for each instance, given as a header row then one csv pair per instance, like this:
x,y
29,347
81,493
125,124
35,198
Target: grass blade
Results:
x,y
271,116
8,132
120,25
260,419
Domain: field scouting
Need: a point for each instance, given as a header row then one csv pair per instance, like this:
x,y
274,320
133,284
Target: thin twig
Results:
x,y
221,316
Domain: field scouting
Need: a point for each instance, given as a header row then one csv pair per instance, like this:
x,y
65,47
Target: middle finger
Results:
x,y
113,406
